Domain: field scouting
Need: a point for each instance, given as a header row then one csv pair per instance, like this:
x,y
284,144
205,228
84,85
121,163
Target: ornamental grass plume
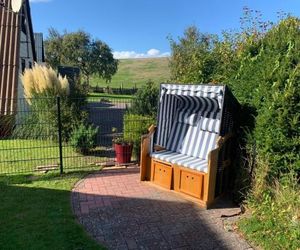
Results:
x,y
43,80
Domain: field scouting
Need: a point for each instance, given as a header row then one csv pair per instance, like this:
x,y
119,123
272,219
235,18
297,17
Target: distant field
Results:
x,y
137,72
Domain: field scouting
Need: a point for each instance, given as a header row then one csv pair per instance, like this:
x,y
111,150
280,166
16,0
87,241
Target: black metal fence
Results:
x,y
57,134
118,91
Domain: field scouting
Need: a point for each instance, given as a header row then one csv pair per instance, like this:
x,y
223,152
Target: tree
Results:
x,y
53,48
192,59
146,100
79,50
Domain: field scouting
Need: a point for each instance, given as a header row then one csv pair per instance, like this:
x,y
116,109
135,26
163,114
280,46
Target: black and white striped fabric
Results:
x,y
174,98
191,140
191,129
182,160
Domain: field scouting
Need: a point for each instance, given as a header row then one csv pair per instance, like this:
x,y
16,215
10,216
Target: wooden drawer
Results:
x,y
162,174
191,184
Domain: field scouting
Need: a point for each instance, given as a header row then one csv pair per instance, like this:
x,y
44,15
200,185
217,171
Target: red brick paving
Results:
x,y
120,212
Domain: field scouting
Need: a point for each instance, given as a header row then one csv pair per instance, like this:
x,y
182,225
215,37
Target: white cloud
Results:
x,y
39,1
151,53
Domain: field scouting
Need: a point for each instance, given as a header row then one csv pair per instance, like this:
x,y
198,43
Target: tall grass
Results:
x,y
41,79
275,211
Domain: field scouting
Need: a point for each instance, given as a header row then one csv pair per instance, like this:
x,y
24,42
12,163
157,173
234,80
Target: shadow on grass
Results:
x,y
14,179
35,213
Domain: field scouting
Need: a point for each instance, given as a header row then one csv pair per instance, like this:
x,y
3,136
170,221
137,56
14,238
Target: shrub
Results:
x,y
84,138
134,127
146,100
121,140
192,59
41,87
41,79
261,65
275,218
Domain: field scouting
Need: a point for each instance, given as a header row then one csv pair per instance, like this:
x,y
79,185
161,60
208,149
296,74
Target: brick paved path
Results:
x,y
121,212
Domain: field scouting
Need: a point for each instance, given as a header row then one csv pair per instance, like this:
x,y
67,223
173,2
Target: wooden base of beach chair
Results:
x,y
161,173
189,182
197,185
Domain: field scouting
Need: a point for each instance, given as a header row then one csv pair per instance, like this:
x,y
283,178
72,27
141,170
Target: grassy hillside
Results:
x,y
137,72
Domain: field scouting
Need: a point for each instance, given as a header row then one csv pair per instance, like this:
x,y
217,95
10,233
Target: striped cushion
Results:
x,y
187,99
182,160
209,124
188,117
191,140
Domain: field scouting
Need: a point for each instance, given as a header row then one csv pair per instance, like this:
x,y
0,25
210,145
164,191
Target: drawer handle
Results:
x,y
192,178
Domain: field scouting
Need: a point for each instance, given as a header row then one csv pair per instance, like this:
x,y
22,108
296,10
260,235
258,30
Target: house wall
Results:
x,y
9,57
16,45
39,47
26,55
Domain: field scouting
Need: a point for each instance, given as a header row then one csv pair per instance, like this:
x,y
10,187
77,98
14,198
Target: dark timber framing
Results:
x,y
10,44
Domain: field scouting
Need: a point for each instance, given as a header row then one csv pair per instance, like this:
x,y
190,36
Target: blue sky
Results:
x,y
139,28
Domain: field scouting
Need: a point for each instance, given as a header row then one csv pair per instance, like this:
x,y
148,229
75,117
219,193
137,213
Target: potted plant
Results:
x,y
123,149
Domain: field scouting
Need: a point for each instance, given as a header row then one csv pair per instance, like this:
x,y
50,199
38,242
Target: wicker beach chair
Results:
x,y
190,150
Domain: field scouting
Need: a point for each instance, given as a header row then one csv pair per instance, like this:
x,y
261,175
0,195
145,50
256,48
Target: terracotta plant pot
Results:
x,y
123,153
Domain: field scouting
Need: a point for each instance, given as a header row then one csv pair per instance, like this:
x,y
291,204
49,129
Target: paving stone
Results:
x,y
121,212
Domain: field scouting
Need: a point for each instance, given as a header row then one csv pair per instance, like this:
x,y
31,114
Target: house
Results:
x,y
39,47
17,52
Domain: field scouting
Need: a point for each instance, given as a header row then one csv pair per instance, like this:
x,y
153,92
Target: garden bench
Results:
x,y
190,150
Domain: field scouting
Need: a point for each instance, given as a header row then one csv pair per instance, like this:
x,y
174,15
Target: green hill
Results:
x,y
136,72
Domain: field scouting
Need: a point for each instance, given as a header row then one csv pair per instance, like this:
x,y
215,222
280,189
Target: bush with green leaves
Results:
x,y
146,100
134,127
264,75
274,223
261,64
84,138
39,120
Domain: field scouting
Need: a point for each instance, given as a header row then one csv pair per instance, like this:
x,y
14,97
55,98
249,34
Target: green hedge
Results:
x,y
261,64
134,127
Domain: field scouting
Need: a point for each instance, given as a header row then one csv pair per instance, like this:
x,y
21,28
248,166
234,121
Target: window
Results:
x,y
23,65
23,24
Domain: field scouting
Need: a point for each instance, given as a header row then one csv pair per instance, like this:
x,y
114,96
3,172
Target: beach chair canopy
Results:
x,y
190,120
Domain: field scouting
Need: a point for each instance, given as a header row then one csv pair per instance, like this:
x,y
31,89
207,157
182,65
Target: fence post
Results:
x,y
61,166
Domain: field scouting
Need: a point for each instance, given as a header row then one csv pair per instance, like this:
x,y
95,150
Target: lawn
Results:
x,y
136,72
35,213
20,156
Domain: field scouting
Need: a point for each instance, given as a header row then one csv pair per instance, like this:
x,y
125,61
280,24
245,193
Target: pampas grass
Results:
x,y
41,79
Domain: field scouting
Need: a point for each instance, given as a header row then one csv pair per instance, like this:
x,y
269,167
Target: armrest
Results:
x,y
151,131
146,149
147,140
224,139
220,155
224,148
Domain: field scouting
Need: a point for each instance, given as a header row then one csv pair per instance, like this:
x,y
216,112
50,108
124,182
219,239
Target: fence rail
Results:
x,y
43,134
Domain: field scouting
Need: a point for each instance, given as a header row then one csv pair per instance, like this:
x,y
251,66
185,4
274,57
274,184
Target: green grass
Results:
x,y
274,219
35,213
19,156
136,72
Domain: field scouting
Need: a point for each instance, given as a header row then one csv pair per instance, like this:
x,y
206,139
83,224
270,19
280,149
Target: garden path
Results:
x,y
121,212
